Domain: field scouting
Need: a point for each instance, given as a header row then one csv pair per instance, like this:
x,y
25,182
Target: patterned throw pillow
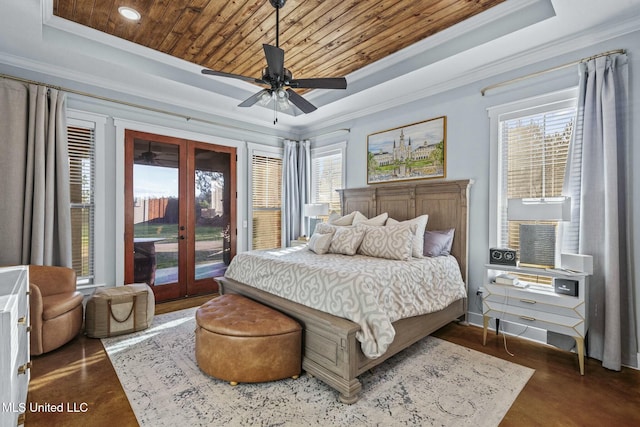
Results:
x,y
324,228
418,240
392,242
346,240
319,243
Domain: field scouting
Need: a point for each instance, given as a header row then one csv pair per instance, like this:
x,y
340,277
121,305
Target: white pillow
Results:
x,y
319,243
392,242
418,239
346,241
343,220
375,221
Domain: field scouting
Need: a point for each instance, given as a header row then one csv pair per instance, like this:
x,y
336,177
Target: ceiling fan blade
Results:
x,y
300,102
321,83
253,99
233,76
275,61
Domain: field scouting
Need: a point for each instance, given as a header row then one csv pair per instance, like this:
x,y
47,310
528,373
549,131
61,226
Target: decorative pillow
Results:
x,y
438,242
375,221
392,242
319,243
346,241
418,239
324,228
343,220
358,217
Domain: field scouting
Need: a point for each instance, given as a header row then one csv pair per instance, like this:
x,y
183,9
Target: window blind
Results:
x,y
266,190
534,149
326,178
81,146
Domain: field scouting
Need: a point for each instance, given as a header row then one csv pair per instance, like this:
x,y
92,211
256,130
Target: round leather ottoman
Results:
x,y
239,340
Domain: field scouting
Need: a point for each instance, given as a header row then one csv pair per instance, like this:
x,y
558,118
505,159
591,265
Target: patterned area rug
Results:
x,y
433,382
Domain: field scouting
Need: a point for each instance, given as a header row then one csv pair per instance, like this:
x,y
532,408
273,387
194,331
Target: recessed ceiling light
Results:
x,y
129,13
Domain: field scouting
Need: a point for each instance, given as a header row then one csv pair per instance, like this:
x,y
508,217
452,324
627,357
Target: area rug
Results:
x,y
432,383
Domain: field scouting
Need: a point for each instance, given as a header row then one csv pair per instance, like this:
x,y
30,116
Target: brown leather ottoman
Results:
x,y
239,340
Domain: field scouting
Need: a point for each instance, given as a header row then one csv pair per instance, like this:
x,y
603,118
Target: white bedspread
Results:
x,y
371,292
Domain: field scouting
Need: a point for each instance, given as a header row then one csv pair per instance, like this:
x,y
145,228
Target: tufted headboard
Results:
x,y
446,203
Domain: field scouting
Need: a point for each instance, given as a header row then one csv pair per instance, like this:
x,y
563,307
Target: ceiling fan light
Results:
x,y
282,94
129,13
265,98
283,98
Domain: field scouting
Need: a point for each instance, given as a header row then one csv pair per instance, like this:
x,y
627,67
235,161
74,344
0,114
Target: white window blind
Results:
x,y
81,141
534,145
266,190
326,178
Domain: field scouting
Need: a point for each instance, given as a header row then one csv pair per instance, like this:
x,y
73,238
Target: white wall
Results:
x,y
468,142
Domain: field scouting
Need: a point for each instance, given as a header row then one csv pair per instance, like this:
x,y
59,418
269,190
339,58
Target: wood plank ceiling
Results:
x,y
321,38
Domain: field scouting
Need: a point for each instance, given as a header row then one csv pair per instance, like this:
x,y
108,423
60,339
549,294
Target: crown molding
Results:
x,y
563,46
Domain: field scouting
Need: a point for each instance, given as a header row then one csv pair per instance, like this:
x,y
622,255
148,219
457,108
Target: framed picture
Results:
x,y
415,151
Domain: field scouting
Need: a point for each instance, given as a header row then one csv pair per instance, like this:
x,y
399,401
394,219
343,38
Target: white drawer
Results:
x,y
539,299
14,343
533,304
572,326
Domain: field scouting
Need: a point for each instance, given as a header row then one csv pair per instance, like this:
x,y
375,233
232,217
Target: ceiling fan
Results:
x,y
147,157
277,77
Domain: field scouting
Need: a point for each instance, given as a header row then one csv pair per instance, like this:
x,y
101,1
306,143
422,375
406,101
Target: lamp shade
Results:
x,y
544,209
316,209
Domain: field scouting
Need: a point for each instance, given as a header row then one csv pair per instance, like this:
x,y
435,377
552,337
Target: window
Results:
x,y
266,196
529,156
327,165
81,142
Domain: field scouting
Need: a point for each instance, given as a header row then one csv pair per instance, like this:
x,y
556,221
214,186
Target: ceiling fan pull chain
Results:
x,y
275,112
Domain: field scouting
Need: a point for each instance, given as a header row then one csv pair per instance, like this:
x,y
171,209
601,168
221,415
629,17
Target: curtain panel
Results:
x,y
34,170
304,183
596,177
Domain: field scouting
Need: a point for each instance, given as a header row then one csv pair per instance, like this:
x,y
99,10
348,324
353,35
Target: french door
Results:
x,y
180,213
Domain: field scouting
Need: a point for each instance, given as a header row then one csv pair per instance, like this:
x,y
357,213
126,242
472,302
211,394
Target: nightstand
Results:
x,y
539,306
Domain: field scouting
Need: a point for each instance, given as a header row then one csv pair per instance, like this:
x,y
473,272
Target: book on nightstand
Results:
x,y
506,279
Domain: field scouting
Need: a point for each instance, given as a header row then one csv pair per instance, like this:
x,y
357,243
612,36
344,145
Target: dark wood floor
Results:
x,y
80,377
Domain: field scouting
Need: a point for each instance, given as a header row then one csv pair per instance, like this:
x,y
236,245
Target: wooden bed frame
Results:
x,y
330,349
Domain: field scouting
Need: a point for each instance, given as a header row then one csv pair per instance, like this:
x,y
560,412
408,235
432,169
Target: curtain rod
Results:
x,y
539,73
130,104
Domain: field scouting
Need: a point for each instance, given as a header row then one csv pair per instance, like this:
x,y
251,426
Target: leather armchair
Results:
x,y
55,307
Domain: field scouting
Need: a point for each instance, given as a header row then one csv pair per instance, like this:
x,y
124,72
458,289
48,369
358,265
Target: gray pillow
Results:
x,y
438,242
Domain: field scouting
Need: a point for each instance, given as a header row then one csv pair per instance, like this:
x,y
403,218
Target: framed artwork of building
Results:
x,y
415,151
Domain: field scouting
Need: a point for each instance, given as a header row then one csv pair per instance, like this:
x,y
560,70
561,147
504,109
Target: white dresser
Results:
x,y
14,351
538,306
